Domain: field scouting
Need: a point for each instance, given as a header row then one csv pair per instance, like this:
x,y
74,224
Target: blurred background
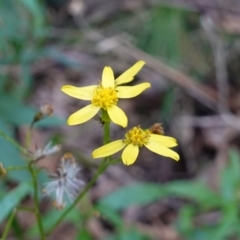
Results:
x,y
191,49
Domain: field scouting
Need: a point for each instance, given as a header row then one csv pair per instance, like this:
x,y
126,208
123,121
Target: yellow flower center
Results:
x,y
137,136
104,97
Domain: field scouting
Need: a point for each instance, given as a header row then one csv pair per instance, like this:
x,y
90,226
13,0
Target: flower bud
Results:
x,y
45,110
3,171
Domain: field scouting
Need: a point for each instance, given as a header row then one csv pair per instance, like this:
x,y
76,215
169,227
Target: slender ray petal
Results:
x,y
129,92
130,154
162,150
83,115
107,77
84,93
108,149
128,75
117,115
163,140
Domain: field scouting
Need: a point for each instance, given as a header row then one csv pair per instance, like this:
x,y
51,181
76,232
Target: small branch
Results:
x,y
26,209
36,203
221,72
9,222
14,143
12,168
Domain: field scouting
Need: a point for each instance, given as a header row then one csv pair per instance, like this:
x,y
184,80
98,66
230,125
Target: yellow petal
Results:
x,y
130,154
107,77
117,116
84,93
108,149
83,115
163,140
162,150
129,92
128,75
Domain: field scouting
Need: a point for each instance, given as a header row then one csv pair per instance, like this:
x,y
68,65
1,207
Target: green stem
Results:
x,y
12,168
9,222
26,209
103,166
116,161
106,127
106,130
100,170
36,203
17,229
28,137
14,143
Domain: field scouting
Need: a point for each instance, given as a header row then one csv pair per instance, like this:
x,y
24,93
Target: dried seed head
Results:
x,y
157,128
65,185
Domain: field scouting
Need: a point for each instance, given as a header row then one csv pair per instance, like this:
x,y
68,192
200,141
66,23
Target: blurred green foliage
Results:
x,y
162,33
23,30
13,198
200,200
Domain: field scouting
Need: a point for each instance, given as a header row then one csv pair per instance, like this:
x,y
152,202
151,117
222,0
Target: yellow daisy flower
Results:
x,y
136,138
105,95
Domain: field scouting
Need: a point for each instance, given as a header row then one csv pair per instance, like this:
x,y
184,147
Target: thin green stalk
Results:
x,y
106,127
103,166
26,209
14,143
12,168
9,222
116,161
28,137
17,229
100,170
36,203
35,187
106,131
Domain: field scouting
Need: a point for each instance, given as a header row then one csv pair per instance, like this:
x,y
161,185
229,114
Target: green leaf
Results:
x,y
62,58
51,121
196,191
128,234
3,189
10,107
33,7
165,111
12,199
22,27
83,234
230,177
137,194
131,234
229,223
110,214
184,222
14,112
10,156
50,218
